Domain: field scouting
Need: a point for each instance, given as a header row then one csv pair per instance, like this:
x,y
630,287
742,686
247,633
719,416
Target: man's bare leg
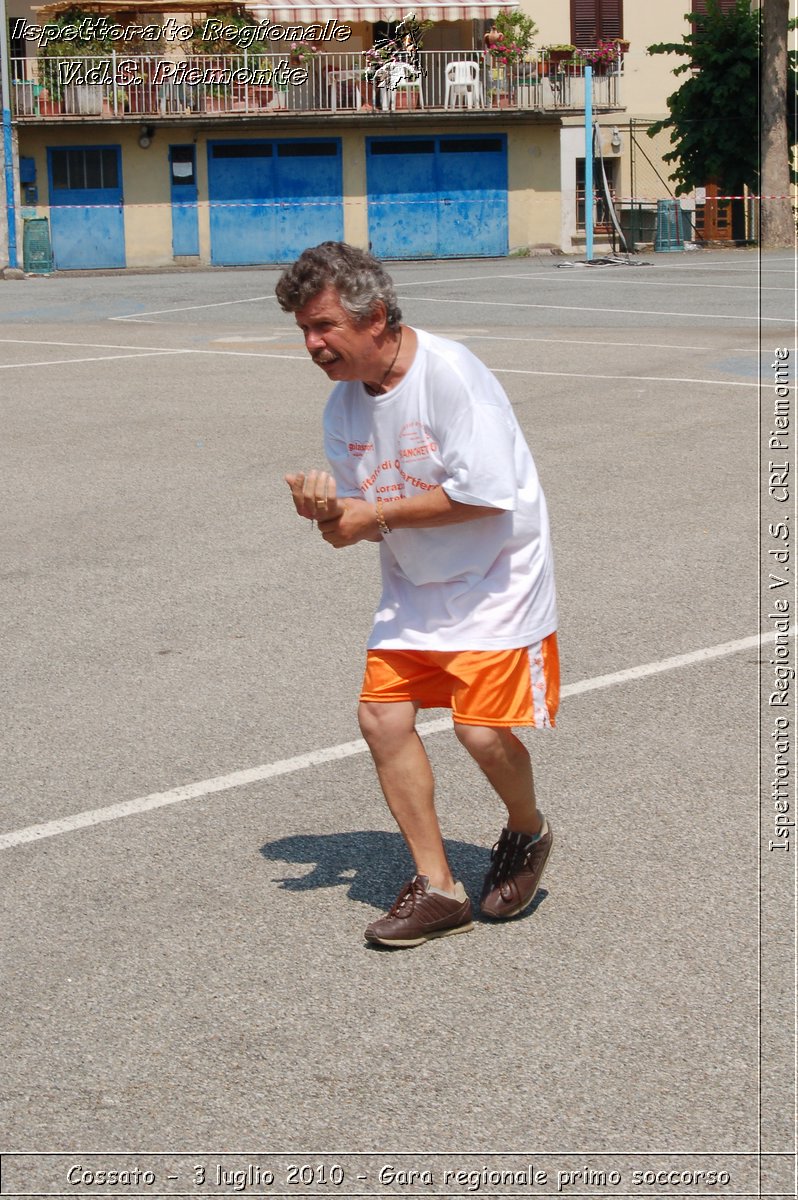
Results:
x,y
407,783
505,761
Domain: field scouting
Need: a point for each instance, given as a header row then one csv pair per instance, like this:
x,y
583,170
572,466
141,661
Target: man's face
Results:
x,y
339,345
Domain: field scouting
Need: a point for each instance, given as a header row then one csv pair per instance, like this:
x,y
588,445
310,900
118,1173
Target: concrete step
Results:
x,y
602,243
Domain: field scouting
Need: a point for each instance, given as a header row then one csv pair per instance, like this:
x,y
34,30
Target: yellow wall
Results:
x,y
353,151
145,177
534,186
648,79
533,169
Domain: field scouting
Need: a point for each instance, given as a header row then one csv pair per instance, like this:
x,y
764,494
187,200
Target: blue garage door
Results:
x,y
270,200
437,197
86,217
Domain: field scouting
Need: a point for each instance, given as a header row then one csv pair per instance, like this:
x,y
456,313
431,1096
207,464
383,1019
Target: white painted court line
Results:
x,y
86,345
551,273
62,362
487,337
621,274
306,359
288,766
496,337
564,266
139,352
697,264
645,279
302,357
159,312
635,312
581,271
630,378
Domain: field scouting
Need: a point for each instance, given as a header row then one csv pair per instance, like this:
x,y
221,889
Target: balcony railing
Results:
x,y
119,87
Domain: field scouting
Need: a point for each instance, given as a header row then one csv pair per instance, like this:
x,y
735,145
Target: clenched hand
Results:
x,y
341,522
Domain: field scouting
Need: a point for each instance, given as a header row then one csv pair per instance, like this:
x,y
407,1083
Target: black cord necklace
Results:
x,y
376,391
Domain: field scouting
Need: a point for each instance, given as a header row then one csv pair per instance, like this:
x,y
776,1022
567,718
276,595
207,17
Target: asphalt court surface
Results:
x,y
194,975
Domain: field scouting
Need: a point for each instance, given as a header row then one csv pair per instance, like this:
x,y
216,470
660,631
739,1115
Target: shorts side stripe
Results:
x,y
544,681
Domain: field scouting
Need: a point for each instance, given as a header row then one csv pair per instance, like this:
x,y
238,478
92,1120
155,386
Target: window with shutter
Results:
x,y
595,19
700,6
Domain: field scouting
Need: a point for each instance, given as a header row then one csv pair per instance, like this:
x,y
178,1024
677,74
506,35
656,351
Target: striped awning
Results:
x,y
288,12
300,12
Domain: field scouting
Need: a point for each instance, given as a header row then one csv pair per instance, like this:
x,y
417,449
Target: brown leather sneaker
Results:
x,y
516,868
420,913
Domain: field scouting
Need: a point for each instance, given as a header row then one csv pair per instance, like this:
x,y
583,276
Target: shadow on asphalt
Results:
x,y
373,864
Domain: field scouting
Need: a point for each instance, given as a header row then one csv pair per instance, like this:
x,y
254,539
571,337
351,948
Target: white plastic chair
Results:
x,y
393,77
463,84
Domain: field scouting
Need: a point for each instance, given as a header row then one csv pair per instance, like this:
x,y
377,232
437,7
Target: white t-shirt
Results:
x,y
486,584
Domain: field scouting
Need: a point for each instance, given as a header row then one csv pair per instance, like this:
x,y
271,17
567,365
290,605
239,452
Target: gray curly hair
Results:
x,y
359,278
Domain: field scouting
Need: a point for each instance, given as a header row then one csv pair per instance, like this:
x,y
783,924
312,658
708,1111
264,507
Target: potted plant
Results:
x,y
67,48
48,107
226,46
603,58
303,54
562,52
259,95
115,102
508,42
510,38
217,98
528,74
220,97
300,94
62,50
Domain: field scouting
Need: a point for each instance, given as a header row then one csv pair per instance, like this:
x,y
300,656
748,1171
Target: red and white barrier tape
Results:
x,y
707,200
379,202
259,204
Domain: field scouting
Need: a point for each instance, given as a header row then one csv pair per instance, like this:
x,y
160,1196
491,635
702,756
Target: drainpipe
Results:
x,y
588,161
8,141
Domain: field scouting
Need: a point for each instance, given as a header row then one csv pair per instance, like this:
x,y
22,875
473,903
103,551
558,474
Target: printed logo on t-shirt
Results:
x,y
393,478
394,490
416,441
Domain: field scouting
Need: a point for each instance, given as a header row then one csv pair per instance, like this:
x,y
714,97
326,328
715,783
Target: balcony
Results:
x,y
209,87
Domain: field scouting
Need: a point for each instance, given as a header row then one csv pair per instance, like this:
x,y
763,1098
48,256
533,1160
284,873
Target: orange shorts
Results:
x,y
481,687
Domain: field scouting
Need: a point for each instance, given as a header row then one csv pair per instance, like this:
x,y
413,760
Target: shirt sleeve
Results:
x,y
336,448
476,437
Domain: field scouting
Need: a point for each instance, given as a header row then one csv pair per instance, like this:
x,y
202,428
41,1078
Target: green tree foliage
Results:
x,y
233,18
515,27
71,44
714,116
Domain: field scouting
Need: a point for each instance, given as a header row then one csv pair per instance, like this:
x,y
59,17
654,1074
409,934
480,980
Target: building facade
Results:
x,y
206,145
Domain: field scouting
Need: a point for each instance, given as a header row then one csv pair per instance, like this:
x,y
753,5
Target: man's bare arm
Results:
x,y
344,522
433,508
359,519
